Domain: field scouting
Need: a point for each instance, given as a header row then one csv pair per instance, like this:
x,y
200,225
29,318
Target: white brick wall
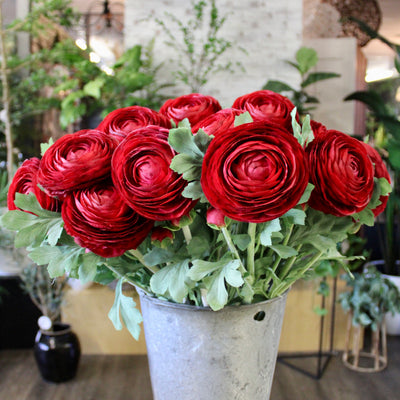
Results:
x,y
270,31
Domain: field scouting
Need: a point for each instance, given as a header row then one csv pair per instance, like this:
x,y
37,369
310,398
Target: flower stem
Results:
x,y
288,265
187,234
250,248
139,256
131,282
232,247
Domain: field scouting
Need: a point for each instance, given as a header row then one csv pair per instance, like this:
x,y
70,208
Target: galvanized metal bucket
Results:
x,y
199,354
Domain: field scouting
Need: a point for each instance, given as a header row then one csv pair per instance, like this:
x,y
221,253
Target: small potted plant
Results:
x,y
372,296
57,348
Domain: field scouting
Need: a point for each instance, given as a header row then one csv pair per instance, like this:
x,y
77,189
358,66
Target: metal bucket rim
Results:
x,y
165,303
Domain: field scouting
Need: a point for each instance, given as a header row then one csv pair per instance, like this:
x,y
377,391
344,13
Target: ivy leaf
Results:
x,y
244,118
269,228
127,308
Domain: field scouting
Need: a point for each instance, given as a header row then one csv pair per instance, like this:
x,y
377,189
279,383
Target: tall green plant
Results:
x,y
306,59
387,139
57,11
198,45
133,82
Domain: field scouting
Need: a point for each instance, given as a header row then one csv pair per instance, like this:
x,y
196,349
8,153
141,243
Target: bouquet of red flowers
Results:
x,y
195,203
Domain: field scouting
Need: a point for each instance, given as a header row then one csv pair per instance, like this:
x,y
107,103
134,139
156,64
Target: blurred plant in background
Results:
x,y
306,59
197,44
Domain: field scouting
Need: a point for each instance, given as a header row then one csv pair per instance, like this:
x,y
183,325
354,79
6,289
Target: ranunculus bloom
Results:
x,y
25,181
194,107
76,161
159,234
255,172
141,173
380,171
342,173
317,128
100,221
265,105
125,120
218,122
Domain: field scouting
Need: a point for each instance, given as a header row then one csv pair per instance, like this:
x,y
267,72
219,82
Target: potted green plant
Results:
x,y
386,139
372,295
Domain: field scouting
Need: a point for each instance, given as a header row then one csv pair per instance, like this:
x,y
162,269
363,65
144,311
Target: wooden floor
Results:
x,y
126,377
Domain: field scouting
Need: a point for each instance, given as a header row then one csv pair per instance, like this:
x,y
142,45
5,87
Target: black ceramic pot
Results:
x,y
57,353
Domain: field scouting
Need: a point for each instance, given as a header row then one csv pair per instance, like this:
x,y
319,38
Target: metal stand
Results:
x,y
323,357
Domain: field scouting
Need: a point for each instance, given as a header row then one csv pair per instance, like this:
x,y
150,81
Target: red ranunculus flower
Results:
x,y
380,171
342,174
76,161
317,128
218,122
100,221
265,105
194,107
159,234
123,121
255,172
141,173
25,181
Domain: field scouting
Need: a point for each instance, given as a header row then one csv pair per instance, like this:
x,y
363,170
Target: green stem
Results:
x,y
288,265
139,256
187,234
278,257
279,290
250,249
133,283
232,248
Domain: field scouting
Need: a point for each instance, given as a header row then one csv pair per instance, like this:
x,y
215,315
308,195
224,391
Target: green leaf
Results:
x,y
284,251
307,193
306,58
296,127
198,246
92,88
320,311
385,186
278,87
45,146
186,165
88,267
306,131
130,314
269,228
28,202
44,255
372,99
244,118
157,256
171,280
318,76
365,216
241,241
202,268
15,220
217,295
296,216
181,139
194,191
202,140
55,231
